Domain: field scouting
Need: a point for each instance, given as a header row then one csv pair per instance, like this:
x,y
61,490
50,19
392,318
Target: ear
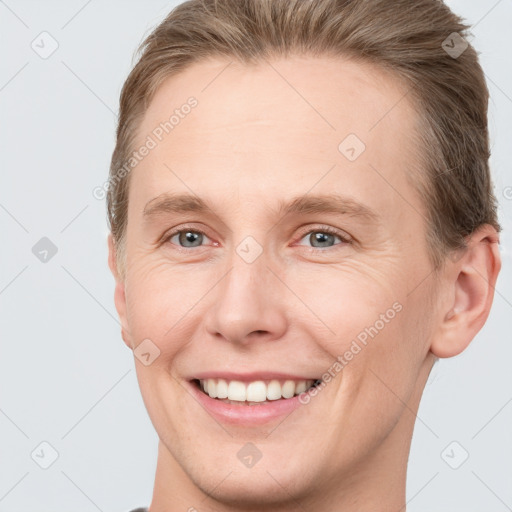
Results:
x,y
470,280
119,293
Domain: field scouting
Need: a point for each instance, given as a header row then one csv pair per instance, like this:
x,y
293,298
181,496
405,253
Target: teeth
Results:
x,y
256,391
274,390
222,389
237,391
288,389
300,387
253,392
212,388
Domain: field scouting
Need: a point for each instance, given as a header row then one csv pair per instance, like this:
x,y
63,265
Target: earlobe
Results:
x,y
471,280
119,293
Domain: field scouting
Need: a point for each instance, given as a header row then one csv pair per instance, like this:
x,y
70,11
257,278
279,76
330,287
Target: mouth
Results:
x,y
253,393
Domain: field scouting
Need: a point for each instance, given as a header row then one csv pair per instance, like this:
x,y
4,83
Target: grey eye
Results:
x,y
321,238
189,238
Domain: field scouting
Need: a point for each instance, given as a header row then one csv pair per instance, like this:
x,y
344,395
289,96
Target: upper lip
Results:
x,y
249,377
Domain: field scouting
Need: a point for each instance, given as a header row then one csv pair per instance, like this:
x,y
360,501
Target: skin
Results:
x,y
251,142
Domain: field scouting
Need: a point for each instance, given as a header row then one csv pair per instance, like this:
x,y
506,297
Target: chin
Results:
x,y
247,489
272,481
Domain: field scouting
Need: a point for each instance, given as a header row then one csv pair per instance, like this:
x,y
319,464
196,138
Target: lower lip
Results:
x,y
246,414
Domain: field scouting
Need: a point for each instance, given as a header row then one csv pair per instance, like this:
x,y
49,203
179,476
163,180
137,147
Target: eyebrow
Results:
x,y
308,204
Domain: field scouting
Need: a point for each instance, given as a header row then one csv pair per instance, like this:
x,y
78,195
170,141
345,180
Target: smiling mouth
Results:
x,y
258,392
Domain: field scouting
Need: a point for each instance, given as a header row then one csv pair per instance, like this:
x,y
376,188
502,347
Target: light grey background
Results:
x,y
66,376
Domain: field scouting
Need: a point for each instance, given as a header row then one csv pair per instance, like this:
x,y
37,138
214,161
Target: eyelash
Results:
x,y
319,229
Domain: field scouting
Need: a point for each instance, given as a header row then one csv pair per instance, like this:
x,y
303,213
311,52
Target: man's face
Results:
x,y
268,295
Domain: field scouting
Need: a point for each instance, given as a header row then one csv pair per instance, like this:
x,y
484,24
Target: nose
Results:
x,y
249,304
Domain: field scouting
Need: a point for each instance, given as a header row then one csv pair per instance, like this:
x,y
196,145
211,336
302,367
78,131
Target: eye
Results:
x,y
187,238
323,237
320,238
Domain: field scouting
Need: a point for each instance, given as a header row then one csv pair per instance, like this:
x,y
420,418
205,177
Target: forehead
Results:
x,y
278,125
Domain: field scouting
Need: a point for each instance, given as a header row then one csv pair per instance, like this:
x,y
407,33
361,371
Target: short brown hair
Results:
x,y
408,38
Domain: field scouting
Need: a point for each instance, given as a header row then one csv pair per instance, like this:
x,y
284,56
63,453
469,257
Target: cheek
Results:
x,y
375,387
163,302
348,303
384,376
375,333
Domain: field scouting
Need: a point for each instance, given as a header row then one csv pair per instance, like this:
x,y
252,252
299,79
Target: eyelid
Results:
x,y
178,229
344,237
